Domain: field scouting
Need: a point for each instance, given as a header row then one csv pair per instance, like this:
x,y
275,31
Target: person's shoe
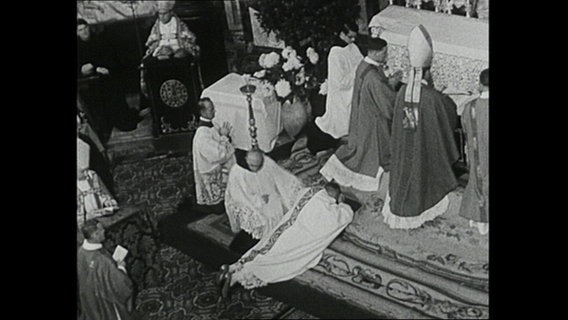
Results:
x,y
226,286
222,274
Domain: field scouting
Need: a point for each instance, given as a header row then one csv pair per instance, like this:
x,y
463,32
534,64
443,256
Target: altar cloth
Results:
x,y
461,45
451,34
231,105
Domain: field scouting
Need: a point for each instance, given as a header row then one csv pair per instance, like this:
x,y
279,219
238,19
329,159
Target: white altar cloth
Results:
x,y
231,106
451,34
461,47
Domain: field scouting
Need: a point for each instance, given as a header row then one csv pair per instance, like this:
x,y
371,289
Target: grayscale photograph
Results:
x,y
282,159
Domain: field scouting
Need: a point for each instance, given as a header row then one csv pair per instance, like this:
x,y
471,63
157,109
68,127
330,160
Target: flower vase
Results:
x,y
295,115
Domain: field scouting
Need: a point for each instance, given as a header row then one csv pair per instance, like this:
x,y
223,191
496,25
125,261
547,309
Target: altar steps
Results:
x,y
310,299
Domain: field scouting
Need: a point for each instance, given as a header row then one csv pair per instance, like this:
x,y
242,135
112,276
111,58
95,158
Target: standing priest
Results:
x,y
361,162
423,145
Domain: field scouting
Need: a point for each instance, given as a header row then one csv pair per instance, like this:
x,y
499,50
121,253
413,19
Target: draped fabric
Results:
x,y
105,292
360,162
256,201
342,65
297,242
475,200
213,157
92,197
422,159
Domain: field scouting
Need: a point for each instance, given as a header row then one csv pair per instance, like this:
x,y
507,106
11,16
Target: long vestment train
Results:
x,y
297,243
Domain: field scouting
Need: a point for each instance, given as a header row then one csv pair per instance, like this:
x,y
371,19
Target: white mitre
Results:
x,y
420,54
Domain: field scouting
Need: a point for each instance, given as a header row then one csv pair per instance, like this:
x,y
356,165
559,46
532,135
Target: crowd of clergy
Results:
x,y
395,137
398,137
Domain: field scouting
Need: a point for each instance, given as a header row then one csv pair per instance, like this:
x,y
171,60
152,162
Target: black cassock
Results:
x,y
104,95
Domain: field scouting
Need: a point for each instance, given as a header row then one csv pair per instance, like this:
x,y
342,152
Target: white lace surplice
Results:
x,y
245,206
297,242
213,156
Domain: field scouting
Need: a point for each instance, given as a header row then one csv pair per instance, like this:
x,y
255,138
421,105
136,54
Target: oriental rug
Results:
x,y
184,287
189,292
440,270
437,271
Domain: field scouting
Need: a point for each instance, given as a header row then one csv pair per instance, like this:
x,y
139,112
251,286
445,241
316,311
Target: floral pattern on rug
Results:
x,y
444,244
184,287
189,292
158,184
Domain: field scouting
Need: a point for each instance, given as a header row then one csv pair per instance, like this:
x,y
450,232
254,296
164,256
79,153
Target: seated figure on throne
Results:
x,y
170,37
170,49
102,92
258,194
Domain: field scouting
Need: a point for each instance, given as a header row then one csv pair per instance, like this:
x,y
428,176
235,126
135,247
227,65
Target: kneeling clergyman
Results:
x,y
297,242
213,156
259,192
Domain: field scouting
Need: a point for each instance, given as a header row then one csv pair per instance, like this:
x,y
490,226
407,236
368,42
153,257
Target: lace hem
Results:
x,y
247,279
397,222
246,219
336,170
210,188
297,188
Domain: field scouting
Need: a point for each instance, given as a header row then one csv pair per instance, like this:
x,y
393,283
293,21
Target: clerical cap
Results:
x,y
420,52
376,43
165,6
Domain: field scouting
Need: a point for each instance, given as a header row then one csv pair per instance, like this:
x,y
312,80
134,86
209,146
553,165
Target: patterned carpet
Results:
x,y
444,250
187,289
440,270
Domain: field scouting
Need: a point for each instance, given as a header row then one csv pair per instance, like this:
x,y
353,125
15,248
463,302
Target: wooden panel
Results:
x,y
207,20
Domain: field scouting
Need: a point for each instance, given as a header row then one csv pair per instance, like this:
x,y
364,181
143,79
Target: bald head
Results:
x,y
254,159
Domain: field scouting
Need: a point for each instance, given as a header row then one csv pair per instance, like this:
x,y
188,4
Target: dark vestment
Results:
x,y
105,97
422,159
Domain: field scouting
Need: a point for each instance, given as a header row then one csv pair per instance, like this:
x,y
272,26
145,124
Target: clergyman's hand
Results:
x,y
225,129
395,78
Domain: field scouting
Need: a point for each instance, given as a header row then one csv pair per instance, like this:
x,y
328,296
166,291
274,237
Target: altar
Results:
x,y
461,46
231,105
